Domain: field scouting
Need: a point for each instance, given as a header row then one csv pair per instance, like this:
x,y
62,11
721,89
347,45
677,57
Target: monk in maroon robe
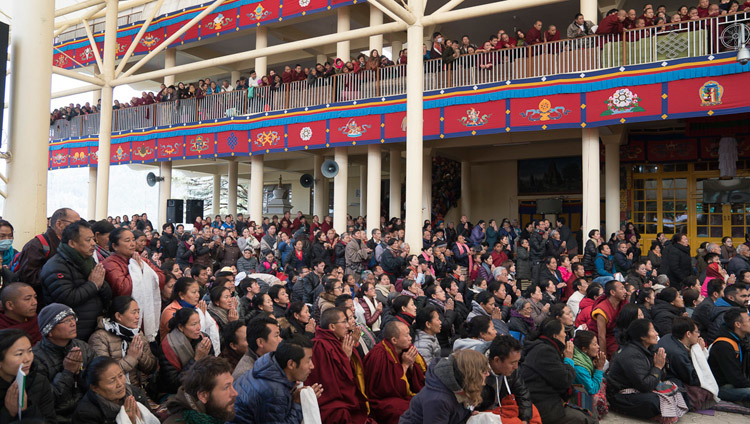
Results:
x,y
534,35
612,24
338,368
19,310
604,315
394,371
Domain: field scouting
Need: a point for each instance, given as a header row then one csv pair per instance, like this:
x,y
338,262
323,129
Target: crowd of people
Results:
x,y
442,48
286,319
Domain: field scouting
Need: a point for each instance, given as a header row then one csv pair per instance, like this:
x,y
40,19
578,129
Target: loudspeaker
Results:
x,y
174,211
329,169
306,180
194,208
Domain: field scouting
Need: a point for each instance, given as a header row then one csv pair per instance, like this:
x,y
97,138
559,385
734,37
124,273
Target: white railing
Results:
x,y
636,46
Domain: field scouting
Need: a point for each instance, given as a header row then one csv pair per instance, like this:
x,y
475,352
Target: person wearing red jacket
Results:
x,y
130,274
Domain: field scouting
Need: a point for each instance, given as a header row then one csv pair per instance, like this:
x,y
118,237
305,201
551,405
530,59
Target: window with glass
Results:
x,y
674,205
645,205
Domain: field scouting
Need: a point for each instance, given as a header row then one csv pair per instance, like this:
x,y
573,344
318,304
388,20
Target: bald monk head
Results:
x,y
397,333
18,301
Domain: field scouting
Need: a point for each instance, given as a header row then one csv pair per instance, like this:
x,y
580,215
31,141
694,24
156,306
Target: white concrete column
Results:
x,y
343,23
426,187
322,59
394,171
590,10
165,191
234,78
374,177
363,190
465,188
105,121
216,200
376,41
612,185
396,46
261,63
30,85
232,187
414,131
170,60
91,205
340,189
591,175
255,195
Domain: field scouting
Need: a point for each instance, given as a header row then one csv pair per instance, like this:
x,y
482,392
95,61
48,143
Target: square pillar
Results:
x,y
591,190
340,190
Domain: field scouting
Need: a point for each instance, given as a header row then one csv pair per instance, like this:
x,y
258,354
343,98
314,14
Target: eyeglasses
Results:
x,y
340,322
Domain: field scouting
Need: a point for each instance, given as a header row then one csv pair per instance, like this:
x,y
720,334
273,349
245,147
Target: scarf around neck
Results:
x,y
583,360
220,314
119,330
85,265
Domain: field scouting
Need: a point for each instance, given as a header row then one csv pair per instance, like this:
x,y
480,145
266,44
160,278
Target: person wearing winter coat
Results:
x,y
109,395
129,274
247,263
72,278
269,393
548,372
14,353
168,241
427,323
588,362
357,253
453,385
117,337
668,305
183,345
504,388
228,253
725,357
479,333
185,252
636,372
676,262
590,251
61,358
523,261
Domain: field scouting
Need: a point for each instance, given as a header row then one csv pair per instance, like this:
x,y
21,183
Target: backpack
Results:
x,y
15,263
733,343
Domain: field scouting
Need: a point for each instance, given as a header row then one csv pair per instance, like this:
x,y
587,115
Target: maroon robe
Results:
x,y
604,307
30,327
610,25
389,389
342,378
533,36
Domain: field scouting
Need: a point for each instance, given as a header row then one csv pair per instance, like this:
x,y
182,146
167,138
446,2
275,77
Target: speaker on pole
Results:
x,y
329,169
194,208
306,180
174,211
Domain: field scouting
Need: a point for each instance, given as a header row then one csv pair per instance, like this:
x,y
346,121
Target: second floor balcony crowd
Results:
x,y
622,38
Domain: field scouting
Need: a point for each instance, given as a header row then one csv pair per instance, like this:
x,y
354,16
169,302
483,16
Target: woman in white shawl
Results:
x,y
130,274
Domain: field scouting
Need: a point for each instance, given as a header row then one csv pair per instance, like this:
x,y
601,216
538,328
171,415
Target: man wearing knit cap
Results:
x,y
62,358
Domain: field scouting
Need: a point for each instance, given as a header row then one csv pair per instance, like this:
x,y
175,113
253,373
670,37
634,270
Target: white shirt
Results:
x,y
574,301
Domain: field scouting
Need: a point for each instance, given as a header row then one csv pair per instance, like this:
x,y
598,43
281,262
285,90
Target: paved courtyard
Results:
x,y
690,418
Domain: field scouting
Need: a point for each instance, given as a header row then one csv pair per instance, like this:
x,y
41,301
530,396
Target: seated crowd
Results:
x,y
615,22
281,320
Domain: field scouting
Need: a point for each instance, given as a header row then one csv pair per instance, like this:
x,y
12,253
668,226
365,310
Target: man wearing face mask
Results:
x,y
7,251
437,46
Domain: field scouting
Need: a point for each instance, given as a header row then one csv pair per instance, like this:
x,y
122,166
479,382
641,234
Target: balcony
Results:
x,y
703,37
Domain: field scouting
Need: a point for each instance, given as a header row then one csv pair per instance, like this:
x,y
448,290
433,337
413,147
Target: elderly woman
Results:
x,y
118,338
110,395
129,274
521,324
183,345
223,307
186,294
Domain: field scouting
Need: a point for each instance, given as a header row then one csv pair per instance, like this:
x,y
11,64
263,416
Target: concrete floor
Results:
x,y
691,418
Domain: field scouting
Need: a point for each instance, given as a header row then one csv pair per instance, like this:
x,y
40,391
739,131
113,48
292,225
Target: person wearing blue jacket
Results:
x,y
605,270
588,362
270,393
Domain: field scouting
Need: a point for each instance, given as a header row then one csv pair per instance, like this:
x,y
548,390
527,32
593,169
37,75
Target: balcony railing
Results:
x,y
632,47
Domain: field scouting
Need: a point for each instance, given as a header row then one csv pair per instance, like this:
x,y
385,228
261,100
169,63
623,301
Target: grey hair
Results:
x,y
520,303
